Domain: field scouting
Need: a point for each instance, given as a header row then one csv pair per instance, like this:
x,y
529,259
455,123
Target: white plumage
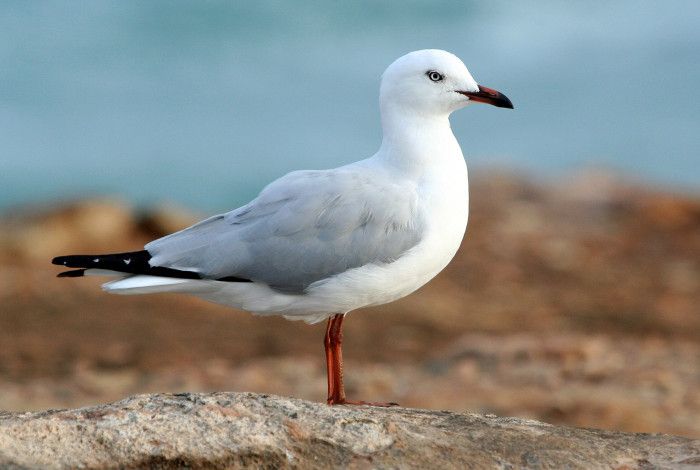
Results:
x,y
318,243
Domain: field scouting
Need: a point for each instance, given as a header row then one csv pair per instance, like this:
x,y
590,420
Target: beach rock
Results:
x,y
164,219
82,226
244,430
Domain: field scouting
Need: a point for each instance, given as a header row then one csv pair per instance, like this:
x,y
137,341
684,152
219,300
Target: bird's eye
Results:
x,y
435,76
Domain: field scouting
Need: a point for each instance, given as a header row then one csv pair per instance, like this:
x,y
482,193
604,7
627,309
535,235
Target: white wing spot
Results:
x,y
127,261
96,260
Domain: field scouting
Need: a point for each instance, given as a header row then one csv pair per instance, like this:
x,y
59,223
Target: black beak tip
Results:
x,y
504,102
489,96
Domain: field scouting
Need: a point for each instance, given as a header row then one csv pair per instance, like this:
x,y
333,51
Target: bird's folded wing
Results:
x,y
304,227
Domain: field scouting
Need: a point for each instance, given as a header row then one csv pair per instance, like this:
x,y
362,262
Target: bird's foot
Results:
x,y
332,401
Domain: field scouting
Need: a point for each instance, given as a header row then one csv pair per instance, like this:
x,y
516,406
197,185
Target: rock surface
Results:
x,y
237,430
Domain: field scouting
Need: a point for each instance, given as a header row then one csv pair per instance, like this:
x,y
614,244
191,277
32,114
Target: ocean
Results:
x,y
202,103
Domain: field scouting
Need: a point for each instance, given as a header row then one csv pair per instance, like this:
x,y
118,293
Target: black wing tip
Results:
x,y
74,273
135,262
60,260
74,261
101,260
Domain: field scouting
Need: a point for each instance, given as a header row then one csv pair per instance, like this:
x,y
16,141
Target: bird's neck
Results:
x,y
413,142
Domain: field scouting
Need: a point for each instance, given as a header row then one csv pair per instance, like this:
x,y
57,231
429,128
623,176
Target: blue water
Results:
x,y
203,102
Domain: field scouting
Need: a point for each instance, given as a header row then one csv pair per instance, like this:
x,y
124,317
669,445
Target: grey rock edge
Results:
x,y
237,430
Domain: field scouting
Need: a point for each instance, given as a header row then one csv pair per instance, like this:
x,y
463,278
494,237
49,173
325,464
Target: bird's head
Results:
x,y
433,82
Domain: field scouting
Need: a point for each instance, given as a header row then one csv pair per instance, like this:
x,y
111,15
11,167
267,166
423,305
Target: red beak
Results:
x,y
489,96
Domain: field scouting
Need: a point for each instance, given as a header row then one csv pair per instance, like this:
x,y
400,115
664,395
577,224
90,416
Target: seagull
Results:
x,y
315,245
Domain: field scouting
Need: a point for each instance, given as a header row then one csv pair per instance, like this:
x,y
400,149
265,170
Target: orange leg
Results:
x,y
330,366
333,343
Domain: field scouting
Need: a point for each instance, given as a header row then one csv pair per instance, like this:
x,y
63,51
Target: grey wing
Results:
x,y
304,227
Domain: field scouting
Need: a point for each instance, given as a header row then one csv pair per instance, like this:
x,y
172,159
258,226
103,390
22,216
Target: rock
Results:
x,y
669,212
82,226
243,430
164,219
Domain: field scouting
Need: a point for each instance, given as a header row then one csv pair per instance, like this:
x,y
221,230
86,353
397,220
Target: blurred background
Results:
x,y
574,299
